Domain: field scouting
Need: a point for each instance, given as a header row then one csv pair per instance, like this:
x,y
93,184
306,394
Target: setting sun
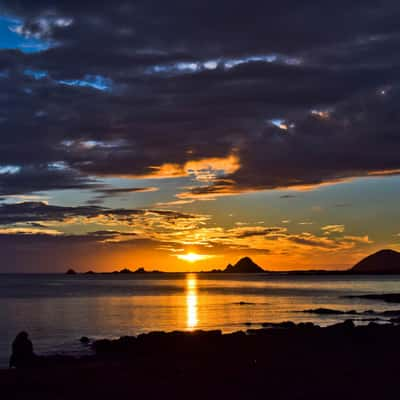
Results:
x,y
192,257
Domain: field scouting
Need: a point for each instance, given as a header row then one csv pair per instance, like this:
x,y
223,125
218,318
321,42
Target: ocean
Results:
x,y
57,310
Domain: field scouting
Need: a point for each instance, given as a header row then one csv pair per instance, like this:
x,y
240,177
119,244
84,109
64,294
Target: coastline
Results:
x,y
283,360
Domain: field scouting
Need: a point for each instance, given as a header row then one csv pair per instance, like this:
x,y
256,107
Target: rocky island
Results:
x,y
244,266
381,262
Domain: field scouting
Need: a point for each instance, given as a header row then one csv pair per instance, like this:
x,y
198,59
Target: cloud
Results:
x,y
192,90
106,193
216,98
42,213
242,233
28,231
332,229
38,230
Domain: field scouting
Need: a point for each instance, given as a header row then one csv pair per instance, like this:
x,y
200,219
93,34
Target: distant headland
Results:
x,y
380,263
124,271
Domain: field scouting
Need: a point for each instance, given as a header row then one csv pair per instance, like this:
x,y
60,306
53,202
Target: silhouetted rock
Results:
x,y
84,340
302,361
279,325
90,272
388,297
126,271
325,311
103,346
307,325
345,325
71,272
245,265
22,355
140,271
382,262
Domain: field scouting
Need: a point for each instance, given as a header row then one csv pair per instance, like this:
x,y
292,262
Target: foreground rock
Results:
x,y
281,361
329,311
386,297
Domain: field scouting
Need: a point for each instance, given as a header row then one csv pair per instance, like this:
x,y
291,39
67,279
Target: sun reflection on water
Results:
x,y
191,301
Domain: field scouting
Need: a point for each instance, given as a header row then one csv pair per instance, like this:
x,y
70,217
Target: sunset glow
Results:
x,y
193,257
199,199
196,157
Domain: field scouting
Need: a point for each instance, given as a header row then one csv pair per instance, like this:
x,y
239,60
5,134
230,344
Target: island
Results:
x,y
71,272
383,262
244,266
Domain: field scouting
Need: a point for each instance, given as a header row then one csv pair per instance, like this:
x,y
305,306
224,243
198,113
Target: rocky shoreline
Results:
x,y
284,360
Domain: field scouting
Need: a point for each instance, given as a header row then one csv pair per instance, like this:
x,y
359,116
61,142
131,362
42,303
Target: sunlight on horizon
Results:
x,y
193,257
191,301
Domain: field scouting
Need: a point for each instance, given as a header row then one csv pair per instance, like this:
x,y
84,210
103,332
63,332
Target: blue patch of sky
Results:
x,y
9,169
58,165
238,61
277,122
352,203
182,67
36,74
97,82
90,144
226,63
10,39
93,81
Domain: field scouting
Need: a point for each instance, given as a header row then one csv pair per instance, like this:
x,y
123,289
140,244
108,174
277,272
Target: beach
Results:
x,y
283,361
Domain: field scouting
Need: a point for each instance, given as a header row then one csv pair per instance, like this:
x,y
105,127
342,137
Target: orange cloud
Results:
x,y
205,169
385,172
208,169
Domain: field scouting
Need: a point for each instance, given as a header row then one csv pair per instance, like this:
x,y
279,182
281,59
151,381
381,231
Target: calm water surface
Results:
x,y
57,309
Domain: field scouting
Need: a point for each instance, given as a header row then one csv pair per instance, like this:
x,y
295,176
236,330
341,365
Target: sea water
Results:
x,y
56,310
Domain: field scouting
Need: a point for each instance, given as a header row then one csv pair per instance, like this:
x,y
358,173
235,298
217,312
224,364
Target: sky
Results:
x,y
179,136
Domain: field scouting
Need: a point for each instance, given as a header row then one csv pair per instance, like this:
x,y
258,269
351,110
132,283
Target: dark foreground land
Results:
x,y
283,361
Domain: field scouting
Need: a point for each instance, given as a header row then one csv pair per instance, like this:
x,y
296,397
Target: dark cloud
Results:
x,y
247,233
106,193
33,212
188,81
33,178
312,242
119,191
110,234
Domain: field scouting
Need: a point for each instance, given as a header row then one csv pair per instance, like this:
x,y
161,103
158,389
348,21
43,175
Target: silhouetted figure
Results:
x,y
22,352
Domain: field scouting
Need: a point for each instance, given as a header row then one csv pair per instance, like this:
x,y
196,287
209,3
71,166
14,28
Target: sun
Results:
x,y
192,257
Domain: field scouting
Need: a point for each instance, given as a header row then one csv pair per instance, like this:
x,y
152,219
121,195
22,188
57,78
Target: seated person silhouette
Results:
x,y
22,352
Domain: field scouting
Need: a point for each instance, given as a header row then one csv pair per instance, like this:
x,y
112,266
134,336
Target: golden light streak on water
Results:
x,y
191,301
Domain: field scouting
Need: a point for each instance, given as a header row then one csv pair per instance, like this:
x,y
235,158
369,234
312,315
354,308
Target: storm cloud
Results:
x,y
302,93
